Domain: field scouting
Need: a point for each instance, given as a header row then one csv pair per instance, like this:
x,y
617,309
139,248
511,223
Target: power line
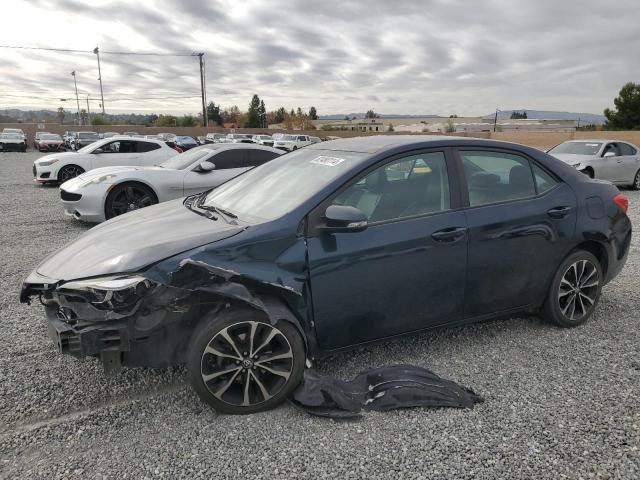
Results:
x,y
71,50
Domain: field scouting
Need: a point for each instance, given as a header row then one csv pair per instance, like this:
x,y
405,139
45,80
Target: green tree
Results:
x,y
391,129
167,121
279,116
450,127
213,114
371,114
263,115
61,114
626,116
252,119
313,114
519,115
188,121
84,117
99,120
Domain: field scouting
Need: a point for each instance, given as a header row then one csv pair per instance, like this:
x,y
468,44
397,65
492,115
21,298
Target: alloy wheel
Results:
x,y
246,363
131,198
70,172
636,181
578,289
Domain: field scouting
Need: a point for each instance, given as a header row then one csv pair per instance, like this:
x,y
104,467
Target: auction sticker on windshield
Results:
x,y
327,161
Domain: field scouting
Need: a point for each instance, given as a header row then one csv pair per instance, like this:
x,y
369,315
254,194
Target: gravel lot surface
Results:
x,y
559,403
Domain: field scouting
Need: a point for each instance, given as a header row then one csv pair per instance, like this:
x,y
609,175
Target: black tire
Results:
x,y
68,172
575,290
295,147
237,384
636,181
127,197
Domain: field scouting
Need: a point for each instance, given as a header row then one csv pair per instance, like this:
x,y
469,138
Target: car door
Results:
x,y
521,221
229,163
118,152
610,168
630,162
406,270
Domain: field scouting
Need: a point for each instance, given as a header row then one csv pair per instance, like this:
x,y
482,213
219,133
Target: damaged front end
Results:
x,y
147,318
122,319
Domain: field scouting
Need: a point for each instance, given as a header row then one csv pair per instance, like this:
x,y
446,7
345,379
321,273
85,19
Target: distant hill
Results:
x,y
585,118
340,116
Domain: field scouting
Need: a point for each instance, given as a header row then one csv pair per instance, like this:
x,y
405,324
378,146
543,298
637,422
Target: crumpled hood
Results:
x,y
135,240
572,159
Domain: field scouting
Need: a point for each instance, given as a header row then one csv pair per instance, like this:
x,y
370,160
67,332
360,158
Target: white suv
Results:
x,y
292,142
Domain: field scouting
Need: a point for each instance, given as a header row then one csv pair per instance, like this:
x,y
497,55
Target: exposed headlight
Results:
x,y
46,163
114,292
100,179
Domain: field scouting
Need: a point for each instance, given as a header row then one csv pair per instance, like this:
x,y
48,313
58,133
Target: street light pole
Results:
x,y
77,99
97,52
495,120
204,105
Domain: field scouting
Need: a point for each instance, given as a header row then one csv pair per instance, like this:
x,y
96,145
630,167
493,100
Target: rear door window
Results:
x,y
144,147
494,177
626,149
258,157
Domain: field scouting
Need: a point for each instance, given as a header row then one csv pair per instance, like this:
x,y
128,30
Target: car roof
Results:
x,y
377,143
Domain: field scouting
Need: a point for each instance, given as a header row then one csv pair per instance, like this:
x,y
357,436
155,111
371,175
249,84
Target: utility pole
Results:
x,y
97,52
495,120
77,99
204,101
88,111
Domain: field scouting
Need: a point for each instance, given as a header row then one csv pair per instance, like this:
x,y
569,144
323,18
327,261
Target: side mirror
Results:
x,y
98,150
344,218
609,154
206,167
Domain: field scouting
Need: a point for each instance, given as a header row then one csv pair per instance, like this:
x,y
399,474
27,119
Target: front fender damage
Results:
x,y
155,330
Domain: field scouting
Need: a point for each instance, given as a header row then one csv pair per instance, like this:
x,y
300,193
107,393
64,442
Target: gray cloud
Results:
x,y
341,56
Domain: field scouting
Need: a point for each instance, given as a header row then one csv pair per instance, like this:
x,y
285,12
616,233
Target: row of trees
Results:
x,y
257,116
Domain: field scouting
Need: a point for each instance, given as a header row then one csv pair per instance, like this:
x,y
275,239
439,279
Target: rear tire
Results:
x,y
636,181
575,290
240,363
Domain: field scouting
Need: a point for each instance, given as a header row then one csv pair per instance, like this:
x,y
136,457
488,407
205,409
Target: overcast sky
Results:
x,y
429,57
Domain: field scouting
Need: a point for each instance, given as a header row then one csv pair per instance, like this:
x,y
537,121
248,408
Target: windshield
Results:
x,y
16,136
277,187
182,161
186,140
289,137
577,148
12,130
50,136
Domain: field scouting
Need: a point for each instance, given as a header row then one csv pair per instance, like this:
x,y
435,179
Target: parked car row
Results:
x,y
272,260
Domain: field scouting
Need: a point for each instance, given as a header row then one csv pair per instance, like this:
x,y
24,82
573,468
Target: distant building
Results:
x,y
357,125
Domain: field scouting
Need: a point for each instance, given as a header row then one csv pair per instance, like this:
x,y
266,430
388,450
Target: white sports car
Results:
x,y
108,192
121,150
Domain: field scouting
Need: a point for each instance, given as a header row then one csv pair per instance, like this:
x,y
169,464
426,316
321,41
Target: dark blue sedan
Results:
x,y
332,246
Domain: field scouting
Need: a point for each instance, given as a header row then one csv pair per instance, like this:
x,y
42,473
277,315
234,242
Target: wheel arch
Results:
x,y
598,251
62,167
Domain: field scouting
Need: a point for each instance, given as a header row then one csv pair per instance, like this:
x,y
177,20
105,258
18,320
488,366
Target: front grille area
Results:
x,y
45,175
69,197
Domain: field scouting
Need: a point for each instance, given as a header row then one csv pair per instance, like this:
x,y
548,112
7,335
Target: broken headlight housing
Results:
x,y
115,292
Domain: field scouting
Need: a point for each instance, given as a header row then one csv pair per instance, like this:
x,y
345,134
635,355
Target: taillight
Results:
x,y
622,202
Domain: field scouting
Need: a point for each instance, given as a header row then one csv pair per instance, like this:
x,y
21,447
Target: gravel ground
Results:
x,y
559,403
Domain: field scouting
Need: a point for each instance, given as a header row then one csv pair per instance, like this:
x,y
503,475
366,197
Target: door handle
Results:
x,y
559,212
448,235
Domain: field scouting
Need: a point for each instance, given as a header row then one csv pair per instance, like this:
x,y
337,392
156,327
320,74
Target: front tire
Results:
x,y
575,290
240,363
68,172
127,197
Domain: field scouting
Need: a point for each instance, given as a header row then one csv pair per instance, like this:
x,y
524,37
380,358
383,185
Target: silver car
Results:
x,y
613,160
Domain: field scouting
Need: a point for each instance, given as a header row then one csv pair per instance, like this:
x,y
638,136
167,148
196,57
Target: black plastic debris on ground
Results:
x,y
379,389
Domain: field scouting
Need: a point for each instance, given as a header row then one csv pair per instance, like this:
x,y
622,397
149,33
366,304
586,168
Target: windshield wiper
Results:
x,y
224,213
